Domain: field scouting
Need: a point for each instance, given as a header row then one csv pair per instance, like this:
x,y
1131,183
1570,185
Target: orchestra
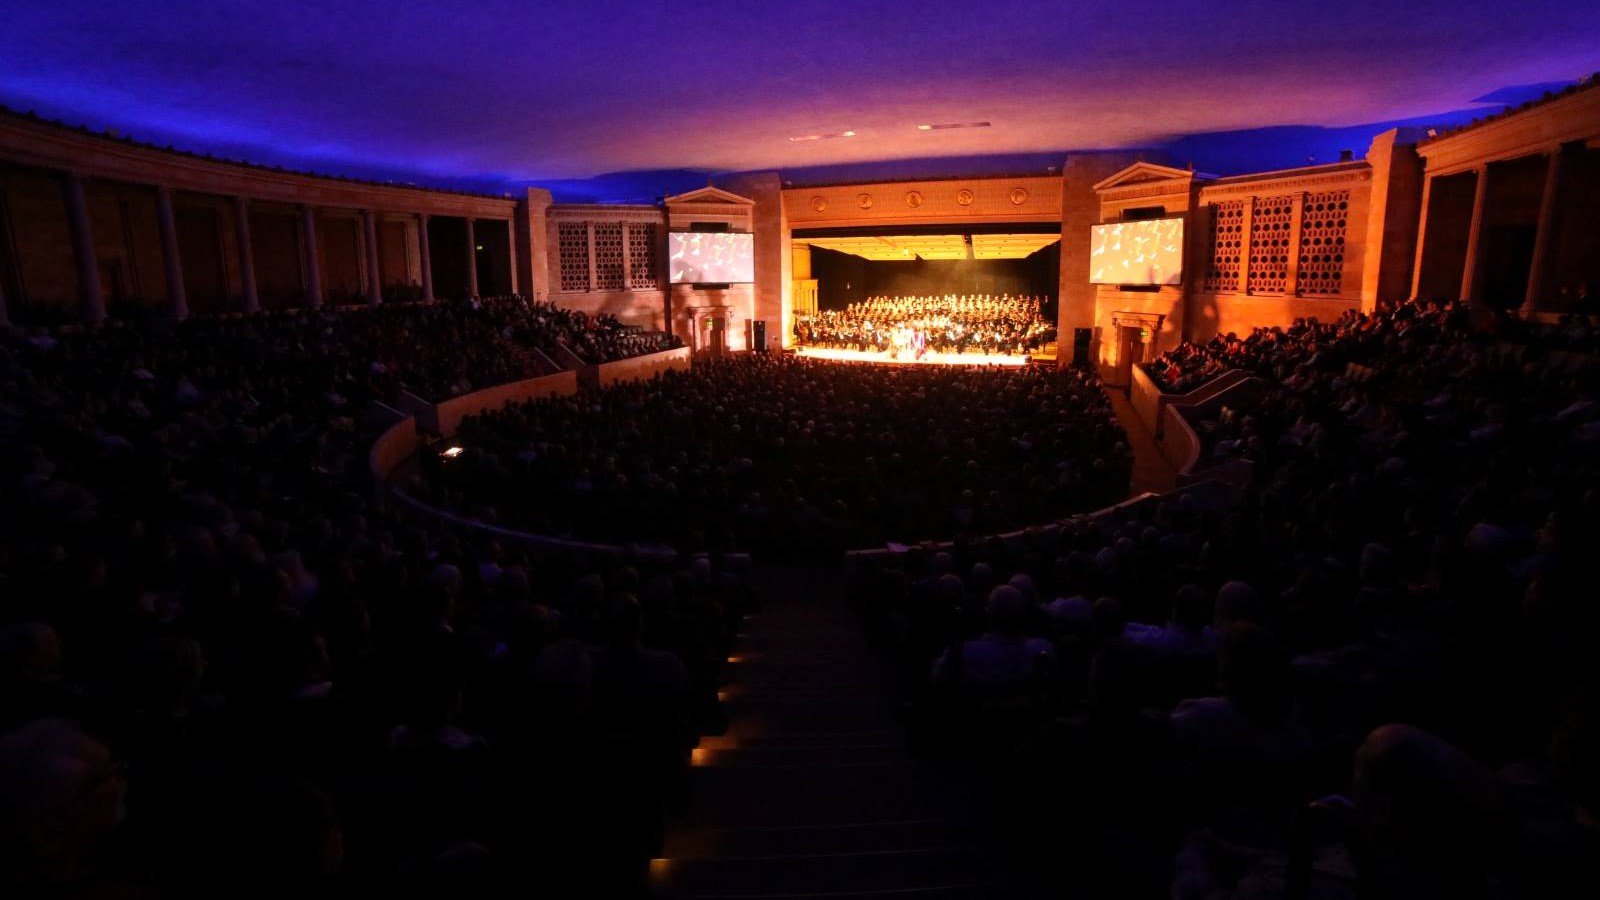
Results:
x,y
910,327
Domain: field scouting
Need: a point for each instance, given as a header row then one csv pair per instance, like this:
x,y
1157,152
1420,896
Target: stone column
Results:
x,y
308,233
427,257
1539,267
1422,236
91,305
533,236
472,260
1247,233
511,259
594,271
1297,211
5,317
177,297
249,300
1472,271
369,229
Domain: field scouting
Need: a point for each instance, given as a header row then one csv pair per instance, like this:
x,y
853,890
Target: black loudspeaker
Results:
x,y
758,335
1081,338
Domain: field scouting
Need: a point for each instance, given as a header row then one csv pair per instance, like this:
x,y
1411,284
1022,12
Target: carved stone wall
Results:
x,y
642,238
1271,219
608,273
1227,246
1302,232
1324,224
572,248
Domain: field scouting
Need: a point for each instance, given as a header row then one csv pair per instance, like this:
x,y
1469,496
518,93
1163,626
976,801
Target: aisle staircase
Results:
x,y
810,793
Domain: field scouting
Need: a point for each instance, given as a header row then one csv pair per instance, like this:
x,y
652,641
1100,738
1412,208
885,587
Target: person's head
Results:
x,y
1424,804
1007,609
1575,753
1237,601
1191,607
1024,584
1377,566
59,790
30,652
1254,673
621,619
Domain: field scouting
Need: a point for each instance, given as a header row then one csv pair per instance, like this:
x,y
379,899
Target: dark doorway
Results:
x,y
447,244
493,255
1508,258
1444,244
205,281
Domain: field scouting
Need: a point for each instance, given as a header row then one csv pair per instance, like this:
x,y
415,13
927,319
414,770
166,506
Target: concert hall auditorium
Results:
x,y
748,451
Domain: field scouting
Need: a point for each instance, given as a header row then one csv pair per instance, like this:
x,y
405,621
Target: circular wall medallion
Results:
x,y
964,197
913,199
819,204
1019,196
864,201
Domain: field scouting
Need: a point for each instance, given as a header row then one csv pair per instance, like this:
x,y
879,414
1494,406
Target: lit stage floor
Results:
x,y
928,359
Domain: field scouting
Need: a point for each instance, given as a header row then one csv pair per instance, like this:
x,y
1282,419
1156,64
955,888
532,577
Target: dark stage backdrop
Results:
x,y
843,278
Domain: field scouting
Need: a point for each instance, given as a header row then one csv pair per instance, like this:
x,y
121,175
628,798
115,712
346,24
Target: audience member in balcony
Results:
x,y
1187,630
61,793
1004,655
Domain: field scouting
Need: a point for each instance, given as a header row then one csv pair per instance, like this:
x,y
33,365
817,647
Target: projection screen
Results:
x,y
709,257
1144,252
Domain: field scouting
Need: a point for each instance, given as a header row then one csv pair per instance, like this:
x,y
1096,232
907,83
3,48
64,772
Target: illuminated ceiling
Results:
x,y
500,93
906,248
1009,246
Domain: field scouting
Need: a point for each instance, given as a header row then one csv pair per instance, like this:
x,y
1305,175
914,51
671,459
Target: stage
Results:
x,y
928,359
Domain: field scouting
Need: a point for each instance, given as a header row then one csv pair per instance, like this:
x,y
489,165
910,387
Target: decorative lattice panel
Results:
x,y
572,239
1227,246
608,256
1322,233
1270,223
641,255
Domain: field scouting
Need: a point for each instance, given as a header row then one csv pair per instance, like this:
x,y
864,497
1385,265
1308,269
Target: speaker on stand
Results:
x,y
758,335
1081,338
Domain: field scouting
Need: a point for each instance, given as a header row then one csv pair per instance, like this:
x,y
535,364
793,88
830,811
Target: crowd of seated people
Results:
x,y
784,450
1372,673
910,327
1266,349
598,339
223,662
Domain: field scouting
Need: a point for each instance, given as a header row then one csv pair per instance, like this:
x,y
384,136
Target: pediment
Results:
x,y
1143,172
710,194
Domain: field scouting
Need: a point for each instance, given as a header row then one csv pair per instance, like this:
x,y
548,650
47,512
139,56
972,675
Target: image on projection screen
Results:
x,y
1146,252
706,257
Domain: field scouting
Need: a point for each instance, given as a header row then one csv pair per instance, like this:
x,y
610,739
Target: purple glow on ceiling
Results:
x,y
495,94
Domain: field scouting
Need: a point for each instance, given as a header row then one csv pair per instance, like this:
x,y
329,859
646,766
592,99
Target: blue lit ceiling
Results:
x,y
625,100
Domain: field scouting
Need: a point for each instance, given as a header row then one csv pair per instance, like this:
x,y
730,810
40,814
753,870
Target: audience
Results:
x,y
1410,549
782,451
309,688
221,654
